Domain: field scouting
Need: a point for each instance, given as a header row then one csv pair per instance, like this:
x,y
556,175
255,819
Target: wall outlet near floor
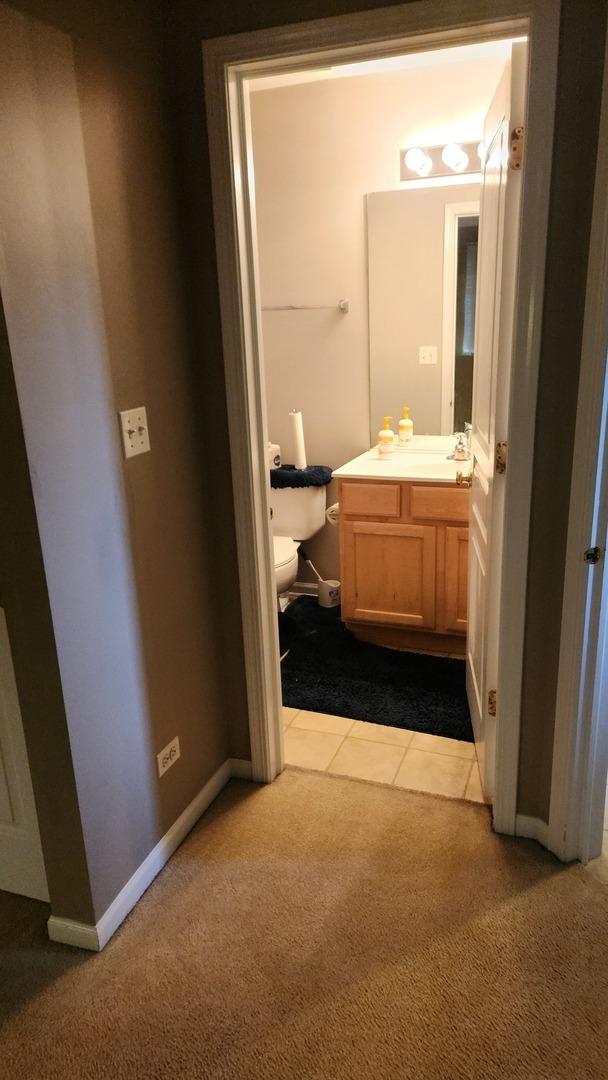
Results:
x,y
427,354
168,756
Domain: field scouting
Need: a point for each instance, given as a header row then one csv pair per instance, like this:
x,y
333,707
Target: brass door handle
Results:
x,y
464,480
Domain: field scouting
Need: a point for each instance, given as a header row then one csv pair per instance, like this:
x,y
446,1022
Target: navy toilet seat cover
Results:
x,y
287,476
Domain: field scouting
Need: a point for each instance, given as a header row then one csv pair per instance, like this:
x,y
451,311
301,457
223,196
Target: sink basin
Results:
x,y
403,466
438,468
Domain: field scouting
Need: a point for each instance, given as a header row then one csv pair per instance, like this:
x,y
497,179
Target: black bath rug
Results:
x,y
327,670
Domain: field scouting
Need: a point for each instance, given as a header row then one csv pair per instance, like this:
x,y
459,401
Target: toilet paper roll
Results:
x,y
332,514
274,455
297,428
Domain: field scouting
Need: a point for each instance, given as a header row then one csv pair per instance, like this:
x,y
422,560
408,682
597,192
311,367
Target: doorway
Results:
x,y
228,65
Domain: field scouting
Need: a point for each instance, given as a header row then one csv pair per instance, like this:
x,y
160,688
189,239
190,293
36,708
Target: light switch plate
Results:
x,y
134,428
427,354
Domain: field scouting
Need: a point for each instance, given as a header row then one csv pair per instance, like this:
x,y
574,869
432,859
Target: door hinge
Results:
x,y
492,703
500,457
592,555
516,148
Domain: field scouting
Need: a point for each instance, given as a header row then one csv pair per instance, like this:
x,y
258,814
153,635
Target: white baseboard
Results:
x,y
240,769
532,828
70,932
95,936
304,588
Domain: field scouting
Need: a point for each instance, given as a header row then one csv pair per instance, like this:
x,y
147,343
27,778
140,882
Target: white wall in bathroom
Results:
x,y
319,149
405,253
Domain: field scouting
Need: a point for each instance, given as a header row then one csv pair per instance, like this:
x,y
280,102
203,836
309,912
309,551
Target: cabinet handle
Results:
x,y
464,480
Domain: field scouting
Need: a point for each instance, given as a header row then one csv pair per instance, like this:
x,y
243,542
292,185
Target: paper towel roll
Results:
x,y
298,439
332,514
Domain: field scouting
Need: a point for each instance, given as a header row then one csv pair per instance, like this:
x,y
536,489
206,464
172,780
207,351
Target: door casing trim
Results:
x,y
227,62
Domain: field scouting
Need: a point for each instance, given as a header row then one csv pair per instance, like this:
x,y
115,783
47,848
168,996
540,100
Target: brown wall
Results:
x,y
130,184
580,69
131,599
24,597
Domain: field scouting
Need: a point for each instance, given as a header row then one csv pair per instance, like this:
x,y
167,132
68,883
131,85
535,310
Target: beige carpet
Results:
x,y
325,928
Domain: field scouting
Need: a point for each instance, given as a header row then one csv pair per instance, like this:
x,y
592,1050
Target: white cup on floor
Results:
x,y
329,593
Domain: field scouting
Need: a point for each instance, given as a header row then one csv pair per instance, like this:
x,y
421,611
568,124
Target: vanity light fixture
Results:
x,y
418,161
431,162
455,157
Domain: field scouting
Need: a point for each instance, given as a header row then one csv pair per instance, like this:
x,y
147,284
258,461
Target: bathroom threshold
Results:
x,y
387,755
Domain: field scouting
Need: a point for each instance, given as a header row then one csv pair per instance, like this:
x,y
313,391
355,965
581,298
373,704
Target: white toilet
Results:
x,y
297,514
285,563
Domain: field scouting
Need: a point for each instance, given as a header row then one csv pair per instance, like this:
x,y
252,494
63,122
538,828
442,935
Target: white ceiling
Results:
x,y
498,50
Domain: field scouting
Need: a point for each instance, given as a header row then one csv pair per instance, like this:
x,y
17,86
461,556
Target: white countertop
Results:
x,y
425,458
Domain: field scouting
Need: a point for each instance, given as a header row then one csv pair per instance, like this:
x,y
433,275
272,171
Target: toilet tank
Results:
x,y
297,512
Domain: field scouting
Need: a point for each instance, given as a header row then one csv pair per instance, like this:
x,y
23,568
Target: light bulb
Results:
x,y
417,161
454,157
481,151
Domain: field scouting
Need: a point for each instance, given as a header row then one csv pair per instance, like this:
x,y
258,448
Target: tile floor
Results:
x,y
387,755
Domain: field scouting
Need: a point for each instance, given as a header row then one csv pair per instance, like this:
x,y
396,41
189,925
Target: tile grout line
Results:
x,y
435,753
405,750
468,779
326,769
319,731
289,722
379,742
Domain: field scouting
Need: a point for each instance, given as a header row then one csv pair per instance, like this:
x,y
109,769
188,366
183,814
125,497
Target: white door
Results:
x,y
21,864
496,274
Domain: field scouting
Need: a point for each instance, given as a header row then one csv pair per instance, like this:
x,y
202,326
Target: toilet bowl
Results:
x,y
285,562
296,515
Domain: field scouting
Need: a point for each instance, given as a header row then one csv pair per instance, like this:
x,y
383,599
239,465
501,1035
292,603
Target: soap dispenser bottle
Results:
x,y
386,438
406,427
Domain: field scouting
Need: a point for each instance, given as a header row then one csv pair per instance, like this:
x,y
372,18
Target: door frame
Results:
x,y
580,747
227,62
23,871
453,211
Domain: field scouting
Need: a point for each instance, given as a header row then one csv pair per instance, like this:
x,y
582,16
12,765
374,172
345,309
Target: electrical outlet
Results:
x,y
427,354
168,756
134,428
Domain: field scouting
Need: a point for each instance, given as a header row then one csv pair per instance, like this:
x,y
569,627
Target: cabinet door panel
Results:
x,y
456,574
389,573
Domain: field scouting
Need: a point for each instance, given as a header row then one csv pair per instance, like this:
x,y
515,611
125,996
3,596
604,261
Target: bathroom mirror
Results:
x,y
422,266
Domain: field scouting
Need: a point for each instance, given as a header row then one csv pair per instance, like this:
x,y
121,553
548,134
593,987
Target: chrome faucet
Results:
x,y
461,446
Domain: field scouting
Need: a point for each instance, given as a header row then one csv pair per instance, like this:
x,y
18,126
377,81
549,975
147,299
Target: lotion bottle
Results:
x,y
406,427
386,438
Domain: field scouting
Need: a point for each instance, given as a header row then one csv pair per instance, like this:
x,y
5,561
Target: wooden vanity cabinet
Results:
x,y
403,551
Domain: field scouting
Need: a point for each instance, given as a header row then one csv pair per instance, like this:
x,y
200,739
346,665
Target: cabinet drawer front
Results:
x,y
371,500
439,503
